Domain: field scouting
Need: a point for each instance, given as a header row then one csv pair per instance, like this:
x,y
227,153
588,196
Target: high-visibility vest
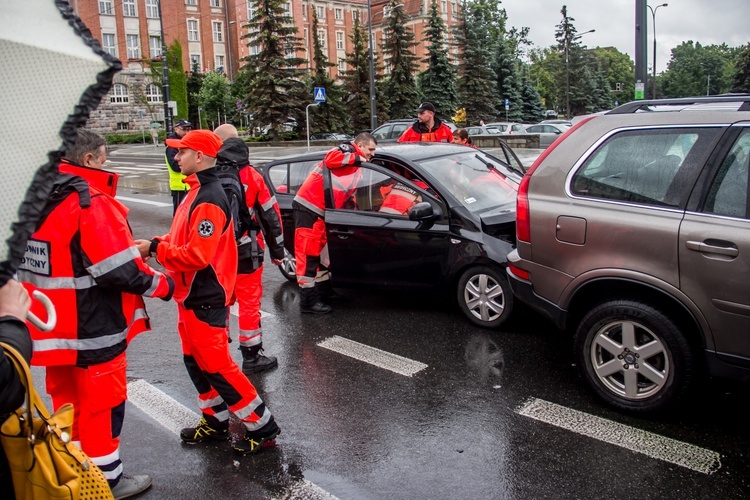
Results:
x,y
176,178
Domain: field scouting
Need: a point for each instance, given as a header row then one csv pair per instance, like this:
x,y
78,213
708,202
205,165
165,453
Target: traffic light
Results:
x,y
618,87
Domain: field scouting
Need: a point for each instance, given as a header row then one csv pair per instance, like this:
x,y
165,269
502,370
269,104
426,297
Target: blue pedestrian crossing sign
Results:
x,y
320,94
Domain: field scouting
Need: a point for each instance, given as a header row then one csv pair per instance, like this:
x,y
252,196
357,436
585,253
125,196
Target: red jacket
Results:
x,y
342,161
83,257
200,252
419,132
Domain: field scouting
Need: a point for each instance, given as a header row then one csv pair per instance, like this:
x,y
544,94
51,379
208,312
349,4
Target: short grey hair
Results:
x,y
86,142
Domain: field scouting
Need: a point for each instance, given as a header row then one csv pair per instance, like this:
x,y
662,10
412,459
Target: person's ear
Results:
x,y
86,159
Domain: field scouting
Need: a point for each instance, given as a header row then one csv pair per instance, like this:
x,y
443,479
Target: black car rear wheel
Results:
x,y
634,356
484,296
288,266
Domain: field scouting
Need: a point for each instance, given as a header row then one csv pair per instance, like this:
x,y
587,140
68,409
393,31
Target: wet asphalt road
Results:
x,y
454,429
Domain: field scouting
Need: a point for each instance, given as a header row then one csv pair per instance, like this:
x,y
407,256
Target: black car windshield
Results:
x,y
468,178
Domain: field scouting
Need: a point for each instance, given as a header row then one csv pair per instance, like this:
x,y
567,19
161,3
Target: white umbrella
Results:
x,y
54,74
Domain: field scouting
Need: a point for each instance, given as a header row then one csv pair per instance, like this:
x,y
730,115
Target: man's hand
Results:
x,y
14,300
277,262
143,247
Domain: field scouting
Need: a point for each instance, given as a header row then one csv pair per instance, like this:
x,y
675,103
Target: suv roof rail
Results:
x,y
635,106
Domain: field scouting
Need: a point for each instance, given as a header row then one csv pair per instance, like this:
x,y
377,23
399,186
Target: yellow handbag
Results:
x,y
44,463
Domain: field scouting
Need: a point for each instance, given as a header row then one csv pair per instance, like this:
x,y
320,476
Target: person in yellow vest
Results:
x,y
176,185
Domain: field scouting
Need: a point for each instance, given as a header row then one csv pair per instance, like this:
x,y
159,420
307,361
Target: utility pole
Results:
x,y
165,78
641,50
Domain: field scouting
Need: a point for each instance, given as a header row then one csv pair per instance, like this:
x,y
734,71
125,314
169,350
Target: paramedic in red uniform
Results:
x,y
266,216
427,128
84,258
309,212
200,254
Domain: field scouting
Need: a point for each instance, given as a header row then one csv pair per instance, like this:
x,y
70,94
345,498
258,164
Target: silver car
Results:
x,y
633,233
548,132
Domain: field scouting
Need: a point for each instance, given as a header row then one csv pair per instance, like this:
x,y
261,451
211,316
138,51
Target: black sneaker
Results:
x,y
254,441
204,431
317,308
258,363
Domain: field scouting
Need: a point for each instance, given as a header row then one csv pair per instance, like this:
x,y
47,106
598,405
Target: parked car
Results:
x,y
507,127
482,131
330,136
634,234
455,240
564,123
391,130
550,114
548,132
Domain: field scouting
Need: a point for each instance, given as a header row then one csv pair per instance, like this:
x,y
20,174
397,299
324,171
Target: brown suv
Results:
x,y
633,232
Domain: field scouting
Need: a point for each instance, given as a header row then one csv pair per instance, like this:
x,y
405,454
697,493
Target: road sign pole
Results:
x,y
307,119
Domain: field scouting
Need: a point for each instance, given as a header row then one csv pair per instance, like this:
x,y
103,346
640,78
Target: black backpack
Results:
x,y
229,176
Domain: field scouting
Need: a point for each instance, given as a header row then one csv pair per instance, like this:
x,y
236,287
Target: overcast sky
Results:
x,y
705,21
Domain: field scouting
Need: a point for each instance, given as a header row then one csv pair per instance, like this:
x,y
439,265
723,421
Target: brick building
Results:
x,y
210,33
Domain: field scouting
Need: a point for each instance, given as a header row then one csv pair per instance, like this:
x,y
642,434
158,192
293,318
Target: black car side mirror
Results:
x,y
421,211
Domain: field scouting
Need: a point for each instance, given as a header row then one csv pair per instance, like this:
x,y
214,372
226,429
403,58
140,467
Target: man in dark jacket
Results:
x,y
14,305
176,179
262,208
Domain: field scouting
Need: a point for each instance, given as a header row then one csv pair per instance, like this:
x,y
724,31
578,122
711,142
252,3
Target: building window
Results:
x,y
108,44
322,38
153,93
340,40
123,126
251,9
154,47
342,65
254,50
191,2
338,14
215,3
134,50
119,94
304,36
321,11
304,11
195,62
192,30
287,9
218,31
152,9
219,64
454,12
128,8
105,6
444,7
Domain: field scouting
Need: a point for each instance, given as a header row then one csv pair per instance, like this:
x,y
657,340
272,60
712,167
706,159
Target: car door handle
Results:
x,y
342,233
714,246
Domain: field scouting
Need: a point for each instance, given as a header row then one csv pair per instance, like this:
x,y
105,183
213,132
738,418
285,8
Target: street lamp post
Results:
x,y
567,69
653,63
165,83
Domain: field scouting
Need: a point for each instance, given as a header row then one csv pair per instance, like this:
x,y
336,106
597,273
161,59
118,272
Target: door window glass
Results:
x,y
655,166
398,129
288,177
728,194
381,133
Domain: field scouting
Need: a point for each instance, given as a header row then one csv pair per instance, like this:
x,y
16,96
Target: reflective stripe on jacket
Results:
x,y
83,257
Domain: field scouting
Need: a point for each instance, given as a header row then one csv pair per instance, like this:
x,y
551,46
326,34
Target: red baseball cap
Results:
x,y
204,141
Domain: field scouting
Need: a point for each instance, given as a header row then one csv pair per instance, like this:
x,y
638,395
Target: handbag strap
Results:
x,y
33,401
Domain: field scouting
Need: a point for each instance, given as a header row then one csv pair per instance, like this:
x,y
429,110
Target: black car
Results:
x,y
454,239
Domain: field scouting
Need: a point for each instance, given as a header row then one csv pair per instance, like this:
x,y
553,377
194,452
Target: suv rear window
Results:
x,y
650,166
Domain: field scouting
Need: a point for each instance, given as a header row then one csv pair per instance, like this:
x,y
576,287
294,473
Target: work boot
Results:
x,y
129,486
310,302
253,361
254,441
208,428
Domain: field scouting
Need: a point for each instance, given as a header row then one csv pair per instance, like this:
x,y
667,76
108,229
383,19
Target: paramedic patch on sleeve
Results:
x,y
36,258
206,228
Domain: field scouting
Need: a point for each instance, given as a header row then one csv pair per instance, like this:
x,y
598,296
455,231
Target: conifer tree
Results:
x,y
276,92
476,79
330,116
194,83
741,77
532,110
508,82
399,86
437,83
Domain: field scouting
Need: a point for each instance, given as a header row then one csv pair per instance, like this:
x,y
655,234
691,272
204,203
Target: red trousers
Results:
x,y
220,383
98,394
310,248
248,290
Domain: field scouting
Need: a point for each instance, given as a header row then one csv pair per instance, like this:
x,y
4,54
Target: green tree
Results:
x,y
177,79
601,96
276,92
330,116
194,83
532,110
508,81
476,79
356,81
399,86
542,72
574,78
694,69
619,68
437,82
214,98
741,77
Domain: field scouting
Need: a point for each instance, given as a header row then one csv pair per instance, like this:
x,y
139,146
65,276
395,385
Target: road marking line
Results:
x,y
146,202
173,416
652,445
235,309
373,356
137,168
